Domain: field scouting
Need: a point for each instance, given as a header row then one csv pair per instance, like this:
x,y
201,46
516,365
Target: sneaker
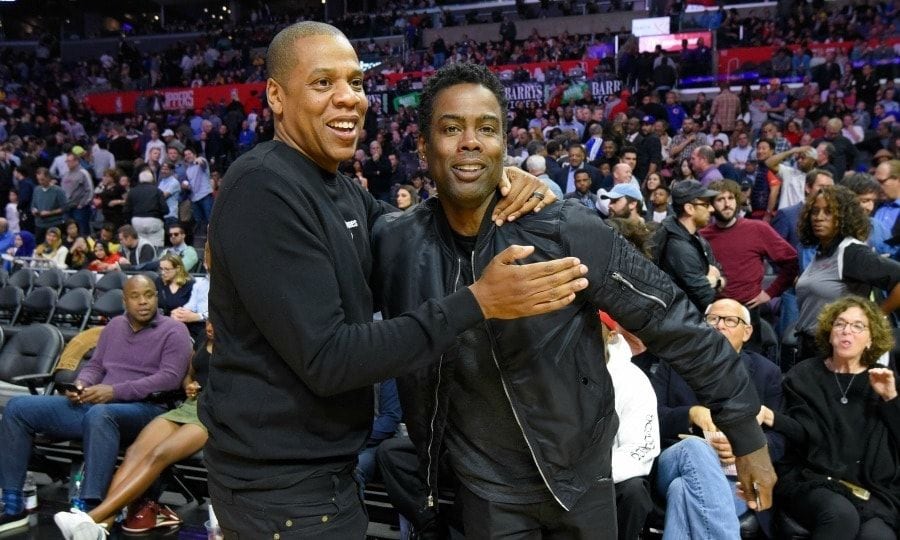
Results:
x,y
76,525
141,517
9,522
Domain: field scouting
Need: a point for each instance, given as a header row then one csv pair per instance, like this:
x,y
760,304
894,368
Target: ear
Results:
x,y
748,331
420,146
275,96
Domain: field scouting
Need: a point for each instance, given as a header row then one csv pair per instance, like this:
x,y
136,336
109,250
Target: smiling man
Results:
x,y
289,402
524,408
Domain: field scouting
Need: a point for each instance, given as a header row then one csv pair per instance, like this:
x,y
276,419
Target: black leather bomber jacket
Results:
x,y
552,366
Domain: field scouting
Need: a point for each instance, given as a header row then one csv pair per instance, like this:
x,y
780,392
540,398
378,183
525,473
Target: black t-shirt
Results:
x,y
487,449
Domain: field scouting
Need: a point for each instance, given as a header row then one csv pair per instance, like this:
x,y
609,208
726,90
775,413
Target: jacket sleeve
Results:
x,y
642,298
311,333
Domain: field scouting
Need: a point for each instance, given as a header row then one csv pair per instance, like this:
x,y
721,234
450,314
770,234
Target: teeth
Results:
x,y
343,125
469,168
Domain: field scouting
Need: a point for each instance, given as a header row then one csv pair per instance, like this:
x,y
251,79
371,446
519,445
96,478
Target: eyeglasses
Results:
x,y
885,180
854,327
704,204
730,320
161,269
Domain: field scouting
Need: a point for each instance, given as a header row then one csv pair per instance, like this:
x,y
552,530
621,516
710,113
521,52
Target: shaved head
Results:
x,y
280,56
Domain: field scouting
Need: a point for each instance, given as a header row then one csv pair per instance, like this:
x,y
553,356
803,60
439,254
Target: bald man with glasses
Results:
x,y
680,413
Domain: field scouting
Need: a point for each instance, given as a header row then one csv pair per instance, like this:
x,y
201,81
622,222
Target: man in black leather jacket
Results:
x,y
524,408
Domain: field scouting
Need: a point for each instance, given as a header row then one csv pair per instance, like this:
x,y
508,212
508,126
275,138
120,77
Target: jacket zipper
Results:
x,y
621,279
432,492
516,414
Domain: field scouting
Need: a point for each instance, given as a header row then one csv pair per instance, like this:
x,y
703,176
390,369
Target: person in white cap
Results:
x,y
793,179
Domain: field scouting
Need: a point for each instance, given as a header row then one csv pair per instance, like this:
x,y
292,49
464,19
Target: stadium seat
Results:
x,y
28,358
109,305
110,281
38,306
10,304
23,279
82,279
73,312
51,277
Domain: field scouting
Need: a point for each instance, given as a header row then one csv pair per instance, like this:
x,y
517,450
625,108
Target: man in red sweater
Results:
x,y
741,246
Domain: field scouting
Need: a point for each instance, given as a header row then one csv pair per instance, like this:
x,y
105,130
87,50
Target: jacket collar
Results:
x,y
443,224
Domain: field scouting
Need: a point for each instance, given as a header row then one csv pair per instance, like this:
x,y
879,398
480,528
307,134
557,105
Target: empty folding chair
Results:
x,y
28,357
10,304
23,278
109,305
51,277
110,281
73,312
82,279
4,277
38,306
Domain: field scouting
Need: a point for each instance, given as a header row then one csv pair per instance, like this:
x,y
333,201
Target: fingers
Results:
x,y
505,185
513,253
514,204
553,305
556,278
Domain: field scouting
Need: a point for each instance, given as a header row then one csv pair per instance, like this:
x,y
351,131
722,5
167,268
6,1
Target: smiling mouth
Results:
x,y
468,169
344,126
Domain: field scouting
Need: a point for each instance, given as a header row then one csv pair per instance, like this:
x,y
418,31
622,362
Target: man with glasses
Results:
x,y
179,247
681,252
888,175
691,472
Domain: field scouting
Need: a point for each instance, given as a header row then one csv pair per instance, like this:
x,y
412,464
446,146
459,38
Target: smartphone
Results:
x,y
68,387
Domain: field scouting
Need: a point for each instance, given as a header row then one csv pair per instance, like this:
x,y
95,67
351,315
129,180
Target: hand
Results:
x,y
192,389
99,393
882,381
700,417
713,275
184,315
516,187
766,416
507,290
760,299
756,478
75,397
722,447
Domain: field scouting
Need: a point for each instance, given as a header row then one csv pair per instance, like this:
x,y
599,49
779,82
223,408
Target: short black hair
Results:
x,y
451,75
862,183
628,150
280,56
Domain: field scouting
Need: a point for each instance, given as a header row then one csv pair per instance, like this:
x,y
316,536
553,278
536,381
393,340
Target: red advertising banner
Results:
x,y
567,67
173,99
742,59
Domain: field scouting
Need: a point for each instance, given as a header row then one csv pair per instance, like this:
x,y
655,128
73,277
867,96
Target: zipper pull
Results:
x,y
430,501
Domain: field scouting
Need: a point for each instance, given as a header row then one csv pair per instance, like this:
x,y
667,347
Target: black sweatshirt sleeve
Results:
x,y
862,264
286,279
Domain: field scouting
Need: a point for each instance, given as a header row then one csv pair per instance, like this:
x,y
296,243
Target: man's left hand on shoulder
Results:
x,y
521,193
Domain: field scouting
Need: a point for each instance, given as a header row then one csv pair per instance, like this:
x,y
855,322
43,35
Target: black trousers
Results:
x,y
593,518
323,507
633,505
829,515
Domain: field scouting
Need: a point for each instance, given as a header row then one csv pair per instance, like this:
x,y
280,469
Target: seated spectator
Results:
x,y
72,233
700,499
104,259
839,478
637,440
659,207
135,252
181,248
52,249
139,353
867,192
196,311
80,255
582,190
167,439
387,420
407,197
174,284
887,173
23,246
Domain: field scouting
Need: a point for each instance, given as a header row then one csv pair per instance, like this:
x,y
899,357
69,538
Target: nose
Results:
x,y
346,96
469,141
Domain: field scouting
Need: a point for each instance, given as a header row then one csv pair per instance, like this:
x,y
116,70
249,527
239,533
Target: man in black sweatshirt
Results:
x,y
289,401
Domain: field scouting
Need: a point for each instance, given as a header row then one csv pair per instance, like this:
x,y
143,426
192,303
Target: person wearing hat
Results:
x,y
649,150
681,252
626,202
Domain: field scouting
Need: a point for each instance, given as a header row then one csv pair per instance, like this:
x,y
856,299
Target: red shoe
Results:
x,y
141,517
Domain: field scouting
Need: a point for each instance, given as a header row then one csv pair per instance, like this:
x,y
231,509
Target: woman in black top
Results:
x,y
841,475
174,284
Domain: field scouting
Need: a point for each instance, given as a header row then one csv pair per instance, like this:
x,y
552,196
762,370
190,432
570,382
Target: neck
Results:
x,y
688,223
466,221
661,207
845,365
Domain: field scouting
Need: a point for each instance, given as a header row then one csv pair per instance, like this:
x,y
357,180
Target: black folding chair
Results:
x,y
38,306
51,277
82,279
73,312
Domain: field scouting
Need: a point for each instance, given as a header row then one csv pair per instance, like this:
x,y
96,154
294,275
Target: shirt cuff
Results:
x,y
462,310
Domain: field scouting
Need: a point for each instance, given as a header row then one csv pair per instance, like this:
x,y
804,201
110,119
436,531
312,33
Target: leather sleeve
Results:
x,y
642,298
683,261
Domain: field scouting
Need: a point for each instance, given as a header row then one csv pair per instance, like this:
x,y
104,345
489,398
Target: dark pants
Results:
x,y
323,507
829,515
591,518
633,505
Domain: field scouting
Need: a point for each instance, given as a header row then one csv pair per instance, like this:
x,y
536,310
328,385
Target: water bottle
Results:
x,y
75,487
29,490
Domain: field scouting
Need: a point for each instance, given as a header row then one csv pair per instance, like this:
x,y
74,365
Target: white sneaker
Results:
x,y
76,525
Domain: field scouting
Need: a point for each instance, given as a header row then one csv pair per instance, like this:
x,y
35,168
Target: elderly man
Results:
x,y
703,163
699,498
139,353
888,175
529,465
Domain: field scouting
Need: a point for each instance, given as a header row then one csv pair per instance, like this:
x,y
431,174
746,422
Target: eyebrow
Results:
x,y
318,72
460,118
